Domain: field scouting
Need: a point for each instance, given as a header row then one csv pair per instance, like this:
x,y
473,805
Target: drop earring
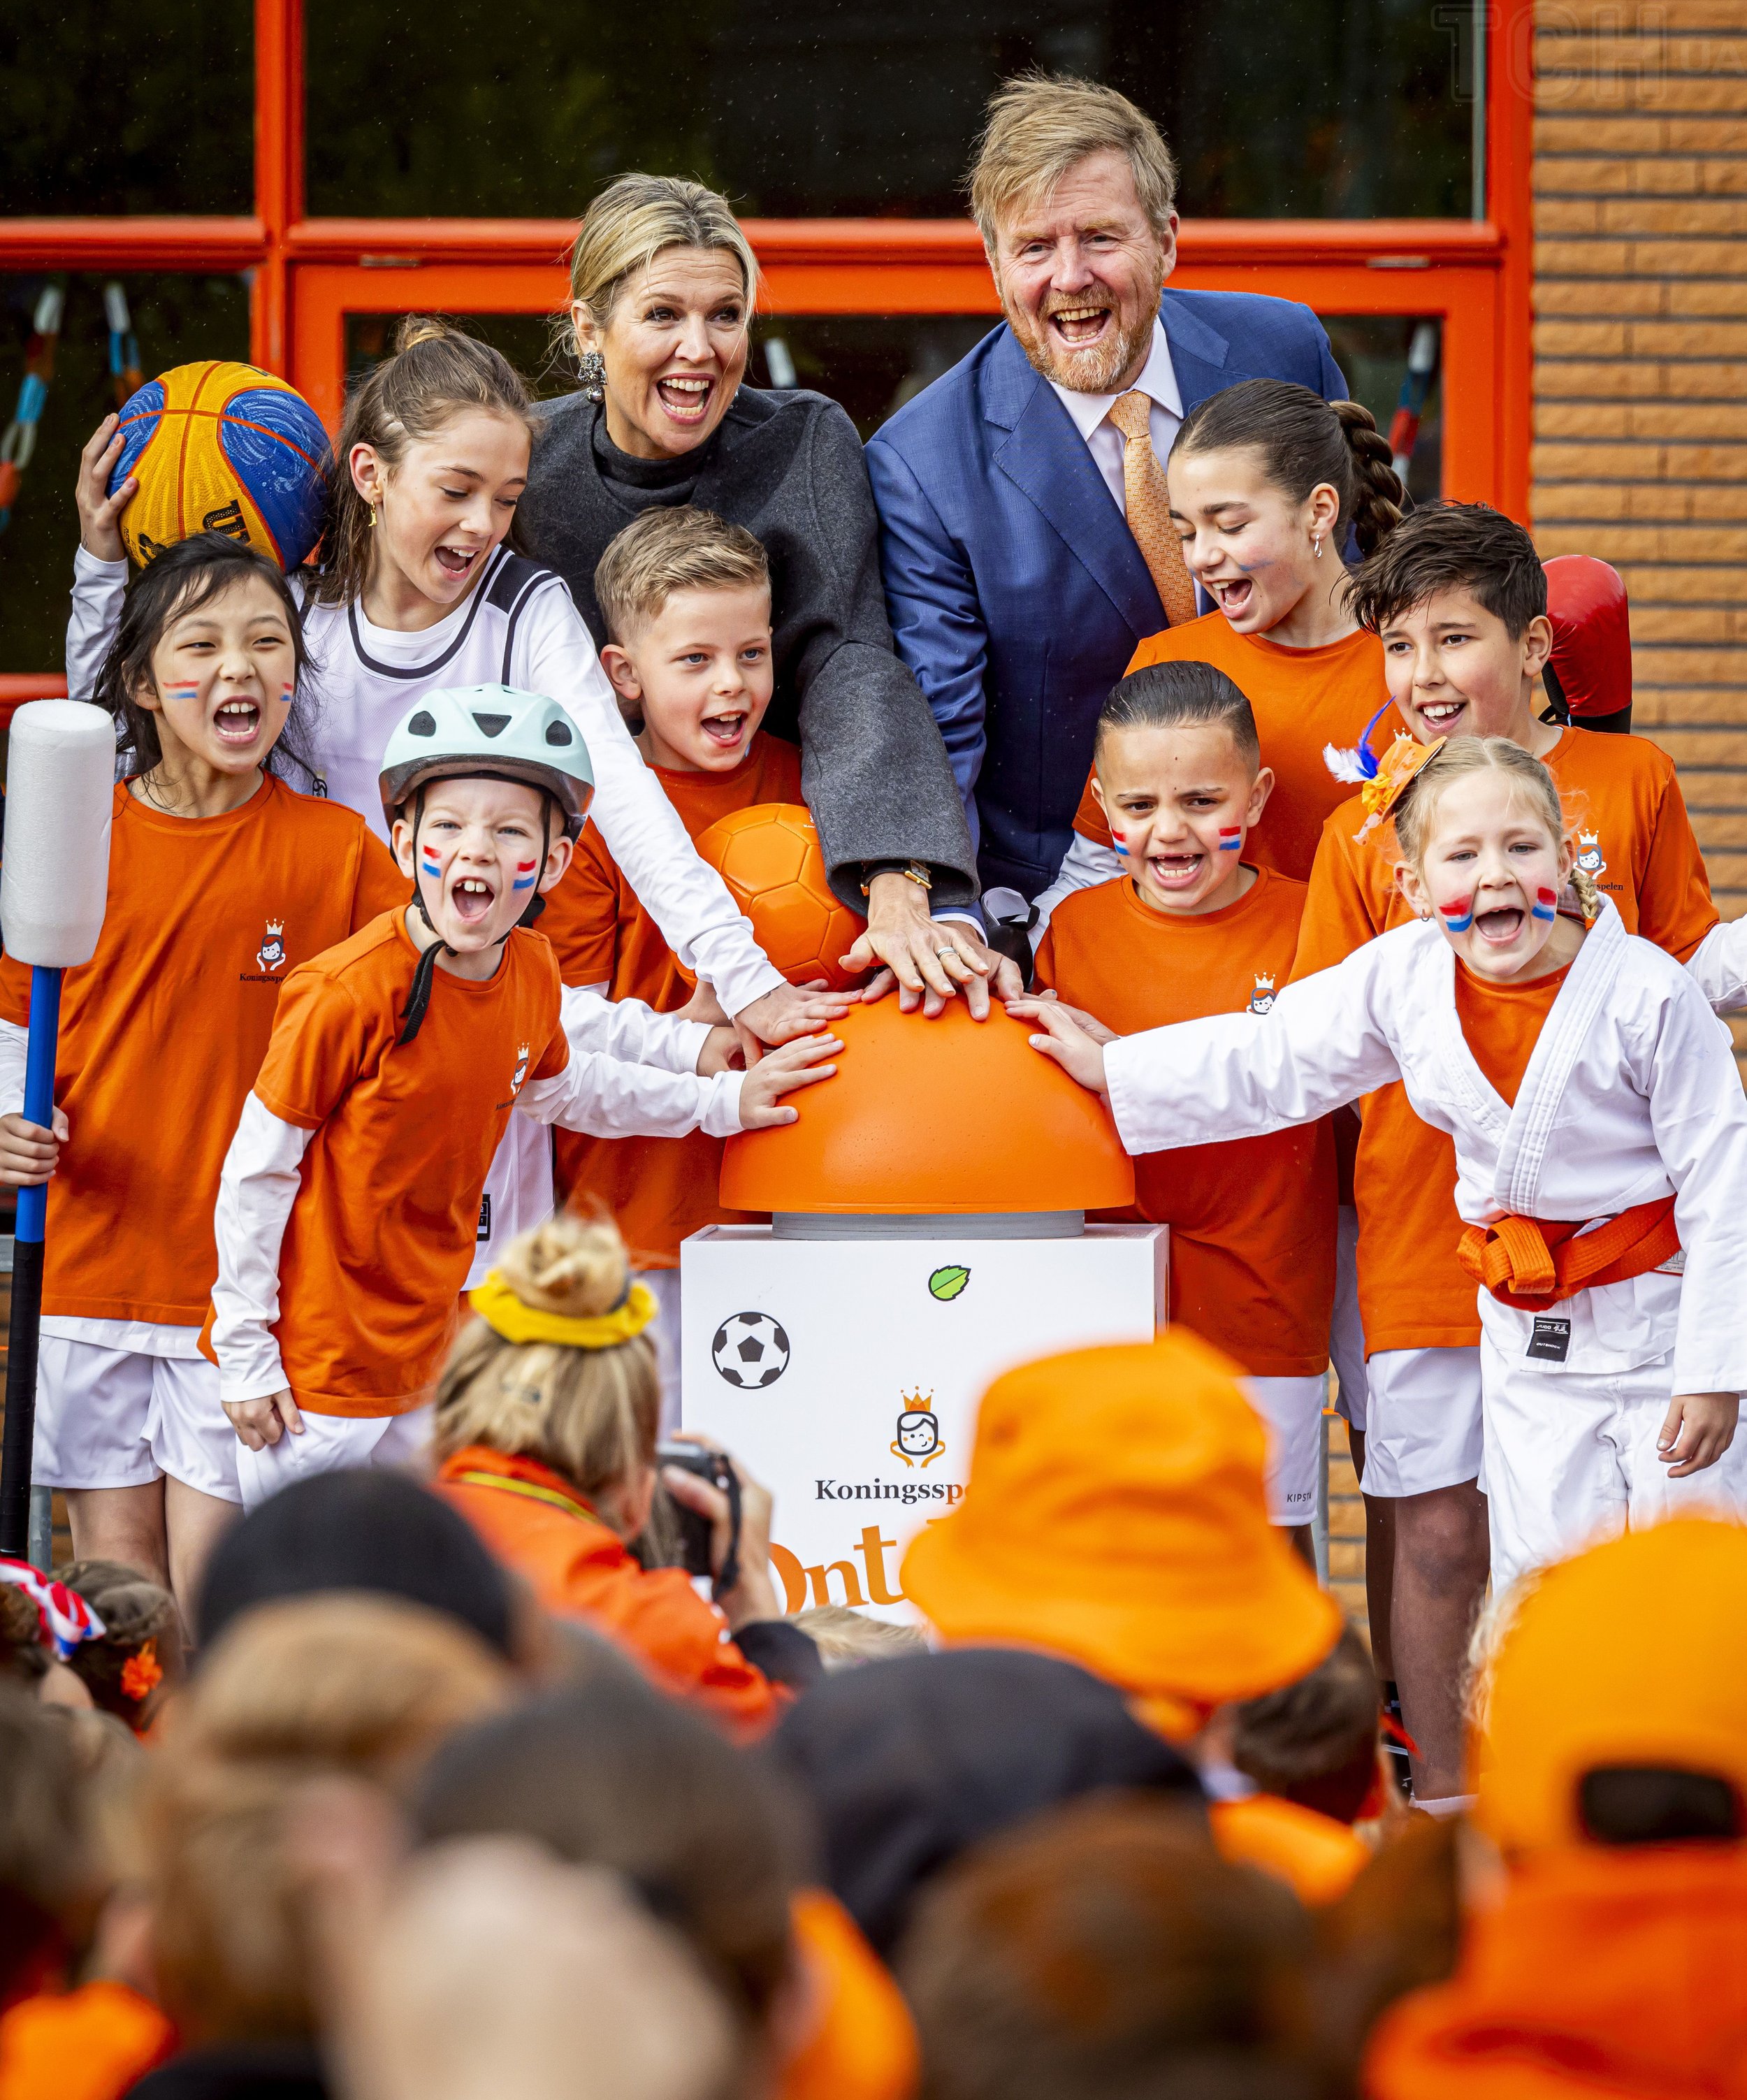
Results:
x,y
1315,541
373,517
593,369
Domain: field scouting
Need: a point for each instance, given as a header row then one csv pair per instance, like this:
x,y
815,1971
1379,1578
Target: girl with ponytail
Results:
x,y
1270,485
545,1437
418,590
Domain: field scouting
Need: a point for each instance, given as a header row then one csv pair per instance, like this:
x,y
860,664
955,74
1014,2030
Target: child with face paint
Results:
x,y
1267,483
1600,1130
222,879
1457,596
1196,927
349,1204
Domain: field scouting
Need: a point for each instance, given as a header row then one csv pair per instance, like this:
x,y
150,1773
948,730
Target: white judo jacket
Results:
x,y
1632,1095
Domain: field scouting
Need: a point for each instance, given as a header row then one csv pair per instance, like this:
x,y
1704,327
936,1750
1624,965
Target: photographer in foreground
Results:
x,y
544,1438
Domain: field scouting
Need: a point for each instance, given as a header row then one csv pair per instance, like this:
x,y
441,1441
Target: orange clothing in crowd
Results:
x,y
163,1031
1252,1222
536,1522
1501,1023
1622,796
1317,1858
1302,699
1601,1972
91,2043
379,1240
859,2042
658,1188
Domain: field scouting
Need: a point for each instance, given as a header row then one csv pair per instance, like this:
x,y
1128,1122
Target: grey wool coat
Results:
x,y
789,467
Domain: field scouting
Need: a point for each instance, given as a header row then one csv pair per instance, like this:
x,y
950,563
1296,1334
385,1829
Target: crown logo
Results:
x,y
915,1403
523,1053
1263,983
1587,839
275,926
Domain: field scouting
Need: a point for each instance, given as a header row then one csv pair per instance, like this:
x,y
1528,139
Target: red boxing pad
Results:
x,y
1592,635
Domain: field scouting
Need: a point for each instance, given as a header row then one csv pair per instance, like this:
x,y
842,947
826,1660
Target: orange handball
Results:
x,y
933,1116
770,858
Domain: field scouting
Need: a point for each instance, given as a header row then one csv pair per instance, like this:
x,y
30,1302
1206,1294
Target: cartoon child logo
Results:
x,y
1262,999
521,1069
1589,854
918,1442
271,954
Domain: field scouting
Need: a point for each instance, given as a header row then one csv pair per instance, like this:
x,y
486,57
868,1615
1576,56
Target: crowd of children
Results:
x,y
403,1068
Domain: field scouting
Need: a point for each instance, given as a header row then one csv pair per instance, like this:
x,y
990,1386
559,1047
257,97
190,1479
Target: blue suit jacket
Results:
x,y
1017,592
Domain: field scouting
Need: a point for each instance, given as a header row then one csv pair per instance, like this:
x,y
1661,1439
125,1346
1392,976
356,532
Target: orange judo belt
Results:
x,y
1532,1263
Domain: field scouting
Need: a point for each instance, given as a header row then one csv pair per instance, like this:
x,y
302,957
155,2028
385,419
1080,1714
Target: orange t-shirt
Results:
x,y
1501,1023
859,2042
1621,793
660,1188
536,1523
380,1238
1252,1222
1302,699
162,1032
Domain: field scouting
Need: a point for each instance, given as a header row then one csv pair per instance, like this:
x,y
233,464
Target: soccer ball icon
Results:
x,y
750,1351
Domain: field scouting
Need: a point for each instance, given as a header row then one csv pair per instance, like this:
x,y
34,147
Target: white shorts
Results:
x,y
1571,1457
1422,1420
664,1284
1346,1331
117,1419
1292,1408
518,1193
332,1444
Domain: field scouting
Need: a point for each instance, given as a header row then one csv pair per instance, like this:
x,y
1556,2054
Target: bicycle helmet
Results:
x,y
482,732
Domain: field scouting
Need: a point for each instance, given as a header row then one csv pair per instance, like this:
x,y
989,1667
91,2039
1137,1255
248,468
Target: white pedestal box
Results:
x,y
846,1372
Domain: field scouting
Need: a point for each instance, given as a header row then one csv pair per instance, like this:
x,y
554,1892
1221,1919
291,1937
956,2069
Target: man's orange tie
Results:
x,y
1149,508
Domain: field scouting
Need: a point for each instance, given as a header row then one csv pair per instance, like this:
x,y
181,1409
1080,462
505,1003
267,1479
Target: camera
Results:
x,y
694,1533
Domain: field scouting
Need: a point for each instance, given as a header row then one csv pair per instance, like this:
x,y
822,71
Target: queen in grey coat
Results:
x,y
662,281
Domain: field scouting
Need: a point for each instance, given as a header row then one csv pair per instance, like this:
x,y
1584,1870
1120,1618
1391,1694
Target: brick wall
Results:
x,y
1640,453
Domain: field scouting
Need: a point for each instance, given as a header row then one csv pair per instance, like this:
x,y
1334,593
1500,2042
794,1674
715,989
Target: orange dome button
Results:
x,y
770,859
925,1118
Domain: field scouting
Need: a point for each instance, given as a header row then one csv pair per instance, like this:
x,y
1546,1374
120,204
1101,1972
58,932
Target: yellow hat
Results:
x,y
1115,1514
1634,1653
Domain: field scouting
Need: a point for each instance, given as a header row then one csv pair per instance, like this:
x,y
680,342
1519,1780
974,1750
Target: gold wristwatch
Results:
x,y
917,871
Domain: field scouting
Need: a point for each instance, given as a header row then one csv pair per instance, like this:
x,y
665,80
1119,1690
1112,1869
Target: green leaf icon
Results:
x,y
946,1284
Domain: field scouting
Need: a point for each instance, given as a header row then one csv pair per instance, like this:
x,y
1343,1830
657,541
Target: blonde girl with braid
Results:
x,y
544,1436
1600,1136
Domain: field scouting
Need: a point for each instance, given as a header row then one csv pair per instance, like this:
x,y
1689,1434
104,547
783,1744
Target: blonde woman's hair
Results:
x,y
1418,808
631,223
1039,125
673,548
435,373
589,1414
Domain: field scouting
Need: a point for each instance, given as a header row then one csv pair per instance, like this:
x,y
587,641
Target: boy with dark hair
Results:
x,y
1458,597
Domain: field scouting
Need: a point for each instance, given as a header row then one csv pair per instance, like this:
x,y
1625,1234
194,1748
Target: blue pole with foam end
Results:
x,y
25,1321
54,889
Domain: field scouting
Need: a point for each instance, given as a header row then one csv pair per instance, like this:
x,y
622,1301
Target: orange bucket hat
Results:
x,y
1634,1653
1115,1514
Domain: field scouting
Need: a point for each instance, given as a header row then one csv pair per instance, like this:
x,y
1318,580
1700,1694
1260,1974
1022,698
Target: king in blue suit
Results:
x,y
1018,591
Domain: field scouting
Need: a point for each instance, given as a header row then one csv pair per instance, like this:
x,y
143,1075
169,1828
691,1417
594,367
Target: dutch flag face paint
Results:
x,y
182,692
1546,903
1458,914
1118,842
429,862
526,872
1231,837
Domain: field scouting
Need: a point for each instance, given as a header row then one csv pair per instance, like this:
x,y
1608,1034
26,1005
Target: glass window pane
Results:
x,y
125,109
175,320
805,108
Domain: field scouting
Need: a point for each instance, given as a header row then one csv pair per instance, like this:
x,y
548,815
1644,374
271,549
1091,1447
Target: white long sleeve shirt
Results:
x,y
1631,1095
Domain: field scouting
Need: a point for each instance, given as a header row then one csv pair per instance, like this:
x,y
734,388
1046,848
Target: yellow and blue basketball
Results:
x,y
222,448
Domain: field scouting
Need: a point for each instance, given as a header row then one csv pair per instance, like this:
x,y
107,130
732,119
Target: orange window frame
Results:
x,y
308,273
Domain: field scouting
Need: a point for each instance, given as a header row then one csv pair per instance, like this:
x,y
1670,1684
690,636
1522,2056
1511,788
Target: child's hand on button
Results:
x,y
259,1422
1078,1053
29,1153
721,1053
779,1072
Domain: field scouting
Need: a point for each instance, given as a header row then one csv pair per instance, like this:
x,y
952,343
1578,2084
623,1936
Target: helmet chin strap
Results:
x,y
419,999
